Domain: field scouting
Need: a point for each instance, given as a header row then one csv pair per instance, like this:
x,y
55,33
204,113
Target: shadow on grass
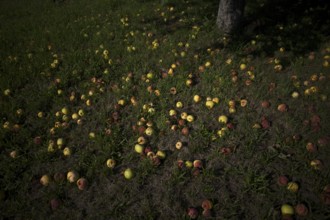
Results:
x,y
298,26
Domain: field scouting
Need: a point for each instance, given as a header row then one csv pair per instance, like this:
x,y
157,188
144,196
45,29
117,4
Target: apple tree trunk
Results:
x,y
230,15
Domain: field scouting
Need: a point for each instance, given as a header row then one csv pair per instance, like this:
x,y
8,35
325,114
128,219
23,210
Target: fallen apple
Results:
x,y
282,180
161,154
207,204
223,119
55,204
44,180
111,163
209,104
139,148
149,131
197,98
59,177
316,164
301,209
282,107
82,183
190,118
192,213
198,164
293,187
311,147
287,209
185,131
128,173
67,151
72,176
178,145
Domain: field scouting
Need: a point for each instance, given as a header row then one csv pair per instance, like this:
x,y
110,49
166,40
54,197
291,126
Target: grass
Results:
x,y
121,67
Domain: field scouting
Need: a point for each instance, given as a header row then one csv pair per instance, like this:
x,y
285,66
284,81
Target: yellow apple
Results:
x,y
65,111
149,131
161,154
197,98
44,180
287,209
209,104
128,173
67,151
190,118
179,104
60,142
111,163
138,148
293,187
72,176
223,119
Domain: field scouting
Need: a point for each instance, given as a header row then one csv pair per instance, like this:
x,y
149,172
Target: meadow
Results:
x,y
142,109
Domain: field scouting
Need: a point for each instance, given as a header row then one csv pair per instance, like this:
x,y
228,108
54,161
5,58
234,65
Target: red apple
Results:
x,y
282,107
185,131
282,180
311,147
207,213
180,163
301,209
265,104
82,183
37,140
55,204
207,204
192,213
198,164
59,177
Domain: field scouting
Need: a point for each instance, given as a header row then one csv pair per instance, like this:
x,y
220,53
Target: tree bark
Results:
x,y
230,15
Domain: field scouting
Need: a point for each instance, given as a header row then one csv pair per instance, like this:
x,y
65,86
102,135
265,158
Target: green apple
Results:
x,y
81,112
287,209
161,154
172,112
65,111
223,119
128,173
139,148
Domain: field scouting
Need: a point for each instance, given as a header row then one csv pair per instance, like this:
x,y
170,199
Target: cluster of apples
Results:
x,y
72,176
206,205
196,166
